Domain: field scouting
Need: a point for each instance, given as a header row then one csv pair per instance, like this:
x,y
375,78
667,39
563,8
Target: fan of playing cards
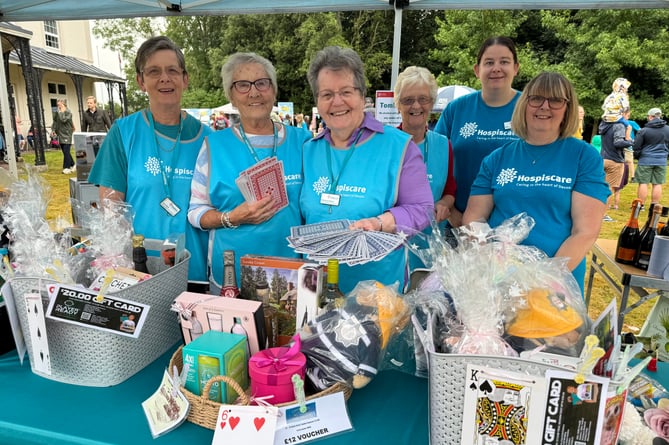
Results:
x,y
334,239
262,179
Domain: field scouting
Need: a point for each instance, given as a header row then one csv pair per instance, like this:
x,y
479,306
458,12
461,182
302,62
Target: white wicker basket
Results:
x,y
447,389
90,357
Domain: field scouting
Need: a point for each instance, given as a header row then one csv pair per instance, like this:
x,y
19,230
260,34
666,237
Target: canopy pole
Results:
x,y
7,119
397,39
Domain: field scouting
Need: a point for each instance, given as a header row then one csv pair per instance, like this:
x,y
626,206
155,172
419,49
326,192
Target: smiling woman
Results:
x,y
217,204
385,177
557,179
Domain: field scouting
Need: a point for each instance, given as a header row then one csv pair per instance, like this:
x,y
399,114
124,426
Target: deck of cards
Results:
x,y
263,179
334,239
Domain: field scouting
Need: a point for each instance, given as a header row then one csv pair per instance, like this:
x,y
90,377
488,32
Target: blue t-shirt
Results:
x,y
132,160
540,180
475,130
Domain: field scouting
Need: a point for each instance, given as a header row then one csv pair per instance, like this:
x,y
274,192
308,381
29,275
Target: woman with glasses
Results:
x,y
480,122
147,159
217,203
415,94
359,169
557,179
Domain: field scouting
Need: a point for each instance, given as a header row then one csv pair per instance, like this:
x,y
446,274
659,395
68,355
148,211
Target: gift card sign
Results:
x,y
80,306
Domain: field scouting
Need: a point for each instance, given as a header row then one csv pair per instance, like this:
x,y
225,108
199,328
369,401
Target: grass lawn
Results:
x,y
59,209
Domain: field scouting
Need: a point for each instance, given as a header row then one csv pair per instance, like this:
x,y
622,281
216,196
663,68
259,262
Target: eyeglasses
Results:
x,y
554,103
345,93
244,86
156,72
422,100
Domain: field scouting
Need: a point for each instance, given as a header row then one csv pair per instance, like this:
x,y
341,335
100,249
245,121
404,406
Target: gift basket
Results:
x,y
79,354
204,412
507,304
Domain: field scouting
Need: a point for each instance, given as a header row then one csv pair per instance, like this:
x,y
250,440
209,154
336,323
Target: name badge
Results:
x,y
507,125
170,207
330,199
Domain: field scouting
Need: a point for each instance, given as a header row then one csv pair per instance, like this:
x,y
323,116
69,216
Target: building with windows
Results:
x,y
48,60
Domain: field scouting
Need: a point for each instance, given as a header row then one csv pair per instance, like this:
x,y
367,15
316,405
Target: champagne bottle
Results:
x,y
139,253
642,257
651,207
332,295
229,288
628,240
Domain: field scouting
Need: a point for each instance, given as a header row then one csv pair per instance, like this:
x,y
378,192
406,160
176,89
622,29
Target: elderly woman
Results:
x,y
359,169
415,94
147,159
557,179
217,204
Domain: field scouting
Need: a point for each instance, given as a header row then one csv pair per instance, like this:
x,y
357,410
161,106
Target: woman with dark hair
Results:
x,y
147,159
359,169
557,179
480,122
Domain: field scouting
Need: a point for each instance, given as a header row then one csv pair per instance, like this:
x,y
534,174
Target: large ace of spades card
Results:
x,y
502,407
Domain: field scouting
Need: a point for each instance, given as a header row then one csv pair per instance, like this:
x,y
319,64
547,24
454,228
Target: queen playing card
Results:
x,y
502,407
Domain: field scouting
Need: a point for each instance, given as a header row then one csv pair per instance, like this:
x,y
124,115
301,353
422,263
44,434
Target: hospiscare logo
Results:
x,y
511,175
152,166
322,185
470,129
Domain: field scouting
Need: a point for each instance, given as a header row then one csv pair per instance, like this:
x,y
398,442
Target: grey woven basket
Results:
x,y
447,389
90,357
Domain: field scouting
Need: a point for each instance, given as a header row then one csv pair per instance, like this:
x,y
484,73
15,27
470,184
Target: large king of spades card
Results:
x,y
502,407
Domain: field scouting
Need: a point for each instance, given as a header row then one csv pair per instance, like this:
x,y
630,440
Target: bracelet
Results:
x,y
381,223
225,221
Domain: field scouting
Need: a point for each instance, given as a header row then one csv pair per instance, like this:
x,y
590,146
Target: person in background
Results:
x,y
651,147
414,96
579,130
95,120
614,143
217,204
359,169
300,121
147,159
617,102
63,127
480,122
568,203
628,154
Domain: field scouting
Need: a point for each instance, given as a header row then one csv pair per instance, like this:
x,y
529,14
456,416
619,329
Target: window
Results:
x,y
51,34
57,88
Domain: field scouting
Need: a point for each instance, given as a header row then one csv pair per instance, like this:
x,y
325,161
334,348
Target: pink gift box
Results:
x,y
271,371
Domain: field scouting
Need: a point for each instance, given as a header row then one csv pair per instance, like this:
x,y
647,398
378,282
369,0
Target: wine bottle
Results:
x,y
663,226
642,257
237,328
269,313
139,253
651,207
628,240
332,296
229,288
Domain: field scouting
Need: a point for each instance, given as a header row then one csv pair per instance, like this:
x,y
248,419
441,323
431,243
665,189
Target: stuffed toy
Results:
x,y
346,344
547,318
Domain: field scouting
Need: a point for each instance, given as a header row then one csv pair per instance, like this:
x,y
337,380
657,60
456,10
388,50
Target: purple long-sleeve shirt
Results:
x,y
415,205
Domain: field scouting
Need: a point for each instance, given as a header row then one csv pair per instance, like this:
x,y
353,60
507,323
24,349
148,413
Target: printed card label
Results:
x,y
108,313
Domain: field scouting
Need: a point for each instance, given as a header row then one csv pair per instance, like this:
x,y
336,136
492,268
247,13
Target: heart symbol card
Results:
x,y
245,424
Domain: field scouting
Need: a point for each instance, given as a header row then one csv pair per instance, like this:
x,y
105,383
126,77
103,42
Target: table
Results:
x,y
391,409
622,278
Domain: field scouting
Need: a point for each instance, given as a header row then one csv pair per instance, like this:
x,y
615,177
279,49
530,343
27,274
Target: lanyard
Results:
x,y
250,147
335,181
177,145
425,148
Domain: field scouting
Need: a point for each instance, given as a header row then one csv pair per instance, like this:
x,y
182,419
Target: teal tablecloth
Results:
x,y
392,409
